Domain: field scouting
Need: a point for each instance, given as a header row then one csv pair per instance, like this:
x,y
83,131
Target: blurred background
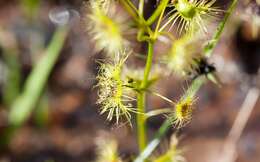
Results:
x,y
63,123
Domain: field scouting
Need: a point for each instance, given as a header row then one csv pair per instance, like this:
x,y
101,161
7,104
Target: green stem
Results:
x,y
143,28
36,81
132,5
141,119
141,124
141,8
213,42
148,65
157,12
130,10
154,143
160,18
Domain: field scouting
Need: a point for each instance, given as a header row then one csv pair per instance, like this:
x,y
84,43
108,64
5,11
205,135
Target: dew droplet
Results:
x,y
62,16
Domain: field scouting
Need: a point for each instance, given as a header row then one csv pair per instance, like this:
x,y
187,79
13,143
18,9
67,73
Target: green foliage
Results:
x,y
30,7
36,81
13,81
41,114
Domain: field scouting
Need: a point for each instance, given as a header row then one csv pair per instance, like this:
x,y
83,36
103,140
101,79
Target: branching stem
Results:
x,y
195,86
141,118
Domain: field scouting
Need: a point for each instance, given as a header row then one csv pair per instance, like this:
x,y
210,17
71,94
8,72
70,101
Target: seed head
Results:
x,y
192,14
183,112
107,150
113,92
182,55
107,25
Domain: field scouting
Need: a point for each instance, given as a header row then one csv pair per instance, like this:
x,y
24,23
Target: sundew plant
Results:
x,y
183,26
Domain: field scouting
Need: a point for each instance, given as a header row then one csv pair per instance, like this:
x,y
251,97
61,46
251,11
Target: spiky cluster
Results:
x,y
107,150
107,26
180,58
183,112
113,91
192,15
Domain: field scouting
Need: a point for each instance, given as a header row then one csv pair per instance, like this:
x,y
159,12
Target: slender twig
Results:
x,y
157,12
162,97
141,8
229,149
211,44
132,5
163,7
148,65
130,10
158,112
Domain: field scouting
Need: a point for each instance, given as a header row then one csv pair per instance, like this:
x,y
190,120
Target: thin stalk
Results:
x,y
158,112
36,81
213,42
160,18
157,12
132,5
228,153
195,86
162,97
141,119
148,65
141,124
141,8
130,10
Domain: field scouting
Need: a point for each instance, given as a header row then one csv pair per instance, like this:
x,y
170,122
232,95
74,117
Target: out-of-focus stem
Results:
x,y
130,10
229,149
34,85
213,42
11,87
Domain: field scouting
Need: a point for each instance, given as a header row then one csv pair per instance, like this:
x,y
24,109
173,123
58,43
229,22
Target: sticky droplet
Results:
x,y
63,16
